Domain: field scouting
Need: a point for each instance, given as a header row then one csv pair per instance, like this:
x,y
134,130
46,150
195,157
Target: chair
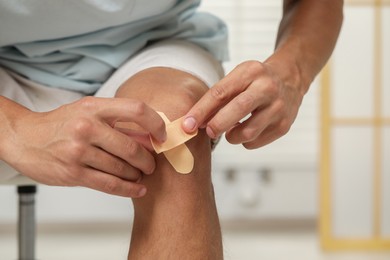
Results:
x,y
26,190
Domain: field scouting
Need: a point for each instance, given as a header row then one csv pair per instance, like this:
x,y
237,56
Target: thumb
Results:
x,y
213,100
204,110
190,124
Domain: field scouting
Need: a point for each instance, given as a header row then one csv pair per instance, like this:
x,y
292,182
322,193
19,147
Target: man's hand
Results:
x,y
252,88
77,145
271,92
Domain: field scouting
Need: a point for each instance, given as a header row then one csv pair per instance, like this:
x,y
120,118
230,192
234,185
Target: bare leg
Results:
x,y
177,219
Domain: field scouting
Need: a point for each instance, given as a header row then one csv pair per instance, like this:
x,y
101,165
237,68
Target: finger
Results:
x,y
105,162
236,110
125,148
215,98
123,109
270,134
112,185
251,128
140,137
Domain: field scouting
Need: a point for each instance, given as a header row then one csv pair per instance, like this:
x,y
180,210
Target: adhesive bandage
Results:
x,y
174,148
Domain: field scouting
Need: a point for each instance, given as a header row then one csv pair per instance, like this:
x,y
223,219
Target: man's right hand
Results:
x,y
77,144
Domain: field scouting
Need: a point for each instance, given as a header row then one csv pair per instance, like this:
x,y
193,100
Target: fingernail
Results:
x,y
210,132
189,123
142,192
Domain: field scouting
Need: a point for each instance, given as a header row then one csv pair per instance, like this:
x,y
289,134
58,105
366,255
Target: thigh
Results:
x,y
175,54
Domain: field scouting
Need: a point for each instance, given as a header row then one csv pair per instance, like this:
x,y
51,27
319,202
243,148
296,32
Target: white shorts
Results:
x,y
175,54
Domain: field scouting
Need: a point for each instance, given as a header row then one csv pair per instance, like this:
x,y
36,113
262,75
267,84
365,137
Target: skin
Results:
x,y
177,218
271,92
76,144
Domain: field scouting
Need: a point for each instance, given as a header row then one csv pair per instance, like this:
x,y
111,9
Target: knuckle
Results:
x,y
70,176
254,67
284,127
132,148
249,134
138,108
219,93
112,186
132,193
82,127
87,102
279,108
77,150
271,87
245,103
216,126
119,167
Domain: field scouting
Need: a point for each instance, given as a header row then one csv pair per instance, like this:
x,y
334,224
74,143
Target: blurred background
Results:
x,y
320,192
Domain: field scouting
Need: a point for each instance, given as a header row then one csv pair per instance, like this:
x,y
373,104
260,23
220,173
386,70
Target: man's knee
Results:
x,y
174,93
168,90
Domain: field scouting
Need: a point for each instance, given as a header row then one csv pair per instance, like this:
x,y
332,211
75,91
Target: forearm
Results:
x,y
306,38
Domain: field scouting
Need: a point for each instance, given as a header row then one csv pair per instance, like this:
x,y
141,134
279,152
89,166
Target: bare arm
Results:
x,y
307,35
271,92
76,144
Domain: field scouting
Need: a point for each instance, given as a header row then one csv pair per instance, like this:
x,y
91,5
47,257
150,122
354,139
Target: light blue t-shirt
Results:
x,y
78,44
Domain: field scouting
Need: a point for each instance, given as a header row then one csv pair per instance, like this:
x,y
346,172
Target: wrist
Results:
x,y
290,71
10,112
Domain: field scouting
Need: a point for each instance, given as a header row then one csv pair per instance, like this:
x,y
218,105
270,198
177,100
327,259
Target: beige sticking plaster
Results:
x,y
175,135
181,159
174,149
